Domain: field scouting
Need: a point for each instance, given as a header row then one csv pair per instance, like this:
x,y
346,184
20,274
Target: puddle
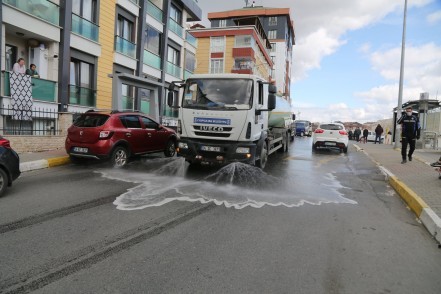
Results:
x,y
236,185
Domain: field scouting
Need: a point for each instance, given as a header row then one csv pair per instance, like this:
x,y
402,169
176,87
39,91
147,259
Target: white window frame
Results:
x,y
216,65
272,20
222,23
217,44
272,34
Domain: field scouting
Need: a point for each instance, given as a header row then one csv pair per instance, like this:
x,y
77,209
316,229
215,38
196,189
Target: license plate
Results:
x,y
330,143
211,148
80,150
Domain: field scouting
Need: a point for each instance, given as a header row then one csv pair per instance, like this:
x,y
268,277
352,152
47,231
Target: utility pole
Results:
x,y
400,91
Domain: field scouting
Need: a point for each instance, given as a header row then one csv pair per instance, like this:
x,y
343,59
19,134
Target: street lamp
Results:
x,y
400,90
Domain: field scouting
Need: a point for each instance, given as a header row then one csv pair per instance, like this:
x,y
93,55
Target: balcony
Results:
x,y
152,60
191,40
84,28
43,90
82,96
175,27
125,47
154,11
43,9
244,52
173,70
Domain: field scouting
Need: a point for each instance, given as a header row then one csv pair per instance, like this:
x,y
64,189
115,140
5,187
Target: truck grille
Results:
x,y
209,134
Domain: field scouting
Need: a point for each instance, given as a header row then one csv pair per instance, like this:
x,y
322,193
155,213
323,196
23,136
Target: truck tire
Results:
x,y
285,144
261,162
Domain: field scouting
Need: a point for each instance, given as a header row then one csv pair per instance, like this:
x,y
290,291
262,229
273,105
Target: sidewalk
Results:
x,y
415,181
37,160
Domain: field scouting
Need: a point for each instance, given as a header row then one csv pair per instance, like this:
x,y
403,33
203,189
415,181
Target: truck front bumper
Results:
x,y
204,151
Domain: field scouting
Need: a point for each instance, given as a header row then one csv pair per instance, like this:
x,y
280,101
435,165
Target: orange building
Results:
x,y
243,48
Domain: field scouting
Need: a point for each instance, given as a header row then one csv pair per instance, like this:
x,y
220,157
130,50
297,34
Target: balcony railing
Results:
x,y
191,40
43,90
134,1
152,60
175,27
84,28
43,9
173,70
127,103
154,11
82,96
125,47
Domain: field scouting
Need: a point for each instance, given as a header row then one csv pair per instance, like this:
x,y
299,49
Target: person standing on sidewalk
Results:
x,y
410,132
365,135
357,134
378,132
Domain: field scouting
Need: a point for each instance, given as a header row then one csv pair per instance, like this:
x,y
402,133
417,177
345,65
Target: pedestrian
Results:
x,y
19,66
357,134
32,71
388,137
350,134
410,132
365,135
378,132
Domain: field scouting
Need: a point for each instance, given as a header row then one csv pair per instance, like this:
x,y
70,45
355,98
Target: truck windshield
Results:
x,y
219,94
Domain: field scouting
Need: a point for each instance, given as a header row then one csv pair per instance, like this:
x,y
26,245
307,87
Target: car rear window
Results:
x,y
331,127
91,120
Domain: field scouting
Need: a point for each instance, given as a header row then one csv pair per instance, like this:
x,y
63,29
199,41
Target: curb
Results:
x,y
427,216
44,163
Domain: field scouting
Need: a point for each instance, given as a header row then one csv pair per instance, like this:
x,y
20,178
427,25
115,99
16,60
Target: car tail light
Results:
x,y
105,135
5,143
344,133
319,131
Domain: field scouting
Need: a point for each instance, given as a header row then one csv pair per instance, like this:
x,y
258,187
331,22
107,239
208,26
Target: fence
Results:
x,y
43,122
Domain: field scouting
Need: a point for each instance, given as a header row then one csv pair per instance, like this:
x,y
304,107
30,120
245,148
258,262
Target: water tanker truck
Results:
x,y
227,118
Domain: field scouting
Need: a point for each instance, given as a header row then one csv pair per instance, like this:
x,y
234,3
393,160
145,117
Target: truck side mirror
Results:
x,y
170,98
271,101
272,89
293,116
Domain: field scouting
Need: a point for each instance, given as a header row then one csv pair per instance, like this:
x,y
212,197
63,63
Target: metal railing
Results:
x,y
191,40
84,27
154,11
43,9
175,27
42,89
173,70
44,122
152,59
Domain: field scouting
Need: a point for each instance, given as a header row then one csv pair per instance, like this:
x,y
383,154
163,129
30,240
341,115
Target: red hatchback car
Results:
x,y
118,135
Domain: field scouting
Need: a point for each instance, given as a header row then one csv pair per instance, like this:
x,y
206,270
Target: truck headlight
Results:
x,y
243,150
182,145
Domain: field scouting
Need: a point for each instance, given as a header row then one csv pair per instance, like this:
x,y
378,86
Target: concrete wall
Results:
x,y
22,144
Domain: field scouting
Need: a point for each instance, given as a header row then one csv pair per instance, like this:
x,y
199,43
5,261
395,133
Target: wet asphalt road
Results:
x,y
320,222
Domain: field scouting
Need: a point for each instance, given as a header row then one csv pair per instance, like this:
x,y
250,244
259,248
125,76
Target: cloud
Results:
x,y
434,17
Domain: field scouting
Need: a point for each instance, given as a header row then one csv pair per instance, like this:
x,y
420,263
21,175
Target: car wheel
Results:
x,y
314,147
345,150
119,157
3,181
263,156
170,149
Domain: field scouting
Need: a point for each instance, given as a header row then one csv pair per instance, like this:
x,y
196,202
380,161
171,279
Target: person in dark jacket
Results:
x,y
357,134
378,132
365,135
410,132
350,134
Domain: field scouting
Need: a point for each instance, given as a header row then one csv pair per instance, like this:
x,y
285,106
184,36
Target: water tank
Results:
x,y
279,116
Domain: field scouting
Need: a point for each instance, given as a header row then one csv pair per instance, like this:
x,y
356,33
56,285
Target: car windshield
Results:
x,y
219,94
331,127
90,120
300,124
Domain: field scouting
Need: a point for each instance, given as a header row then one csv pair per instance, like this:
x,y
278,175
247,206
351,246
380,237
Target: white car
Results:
x,y
330,135
371,137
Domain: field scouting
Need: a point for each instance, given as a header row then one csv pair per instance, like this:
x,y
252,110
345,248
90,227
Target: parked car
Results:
x,y
371,137
118,136
330,135
9,165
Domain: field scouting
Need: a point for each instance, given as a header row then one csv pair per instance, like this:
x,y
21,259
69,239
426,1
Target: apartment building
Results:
x,y
243,48
278,27
92,54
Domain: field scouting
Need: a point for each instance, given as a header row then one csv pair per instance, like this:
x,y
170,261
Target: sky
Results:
x,y
346,61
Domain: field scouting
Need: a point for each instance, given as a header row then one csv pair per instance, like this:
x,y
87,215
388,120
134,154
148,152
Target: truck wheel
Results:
x,y
263,156
285,144
291,136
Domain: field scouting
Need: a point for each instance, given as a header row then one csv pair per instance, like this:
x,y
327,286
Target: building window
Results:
x,y
190,61
153,40
272,34
173,55
124,28
244,41
216,66
273,47
86,9
272,20
175,14
81,86
217,44
222,23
